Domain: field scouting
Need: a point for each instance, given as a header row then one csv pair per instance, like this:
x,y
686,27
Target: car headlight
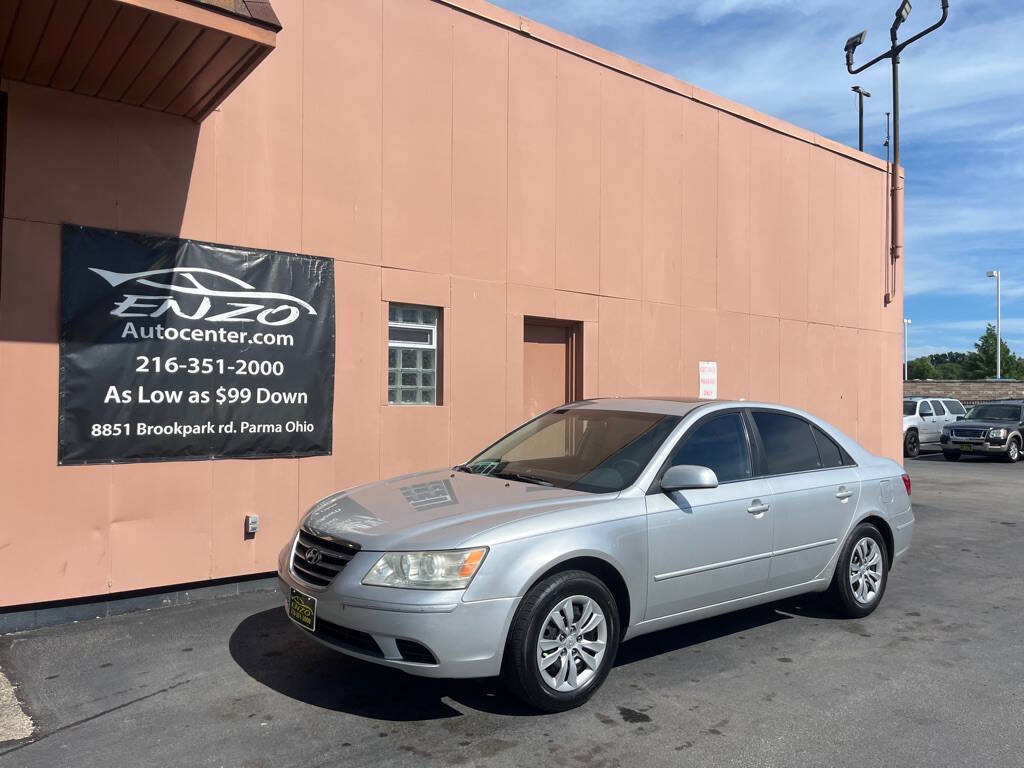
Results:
x,y
998,434
453,569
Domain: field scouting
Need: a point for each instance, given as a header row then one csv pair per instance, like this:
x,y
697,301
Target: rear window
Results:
x,y
954,407
789,444
830,453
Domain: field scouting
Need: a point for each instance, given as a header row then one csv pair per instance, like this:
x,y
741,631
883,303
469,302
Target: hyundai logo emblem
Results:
x,y
313,556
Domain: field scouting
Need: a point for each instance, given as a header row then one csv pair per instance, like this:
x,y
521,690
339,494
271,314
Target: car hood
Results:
x,y
434,510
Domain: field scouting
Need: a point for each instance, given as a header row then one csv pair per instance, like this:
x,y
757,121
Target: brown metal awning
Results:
x,y
173,56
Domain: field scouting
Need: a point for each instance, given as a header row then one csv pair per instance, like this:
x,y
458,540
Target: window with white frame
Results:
x,y
413,359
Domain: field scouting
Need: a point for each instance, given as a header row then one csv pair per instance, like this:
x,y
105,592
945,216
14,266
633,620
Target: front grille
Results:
x,y
333,557
969,432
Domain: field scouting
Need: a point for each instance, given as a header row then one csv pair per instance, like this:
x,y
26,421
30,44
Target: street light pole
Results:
x,y
861,93
893,54
906,347
999,320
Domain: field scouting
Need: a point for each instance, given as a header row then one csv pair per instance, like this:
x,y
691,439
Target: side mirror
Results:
x,y
960,418
688,477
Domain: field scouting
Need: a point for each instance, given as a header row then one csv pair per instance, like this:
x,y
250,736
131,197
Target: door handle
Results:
x,y
843,493
757,507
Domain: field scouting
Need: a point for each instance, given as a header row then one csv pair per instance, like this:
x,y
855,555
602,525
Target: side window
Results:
x,y
719,443
939,410
830,453
954,407
926,410
788,443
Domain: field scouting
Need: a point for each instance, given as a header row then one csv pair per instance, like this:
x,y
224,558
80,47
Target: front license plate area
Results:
x,y
967,447
302,609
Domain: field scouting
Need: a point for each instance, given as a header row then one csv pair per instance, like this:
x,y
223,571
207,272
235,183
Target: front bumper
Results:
x,y
982,445
465,638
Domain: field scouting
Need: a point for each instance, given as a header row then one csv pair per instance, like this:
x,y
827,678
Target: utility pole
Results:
x,y
999,320
893,54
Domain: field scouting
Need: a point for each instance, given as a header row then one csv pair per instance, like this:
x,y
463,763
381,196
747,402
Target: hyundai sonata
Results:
x,y
590,525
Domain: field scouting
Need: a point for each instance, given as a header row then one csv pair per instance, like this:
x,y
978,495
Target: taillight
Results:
x,y
906,482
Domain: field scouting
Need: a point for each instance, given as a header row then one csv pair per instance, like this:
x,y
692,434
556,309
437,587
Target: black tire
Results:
x,y
841,590
520,671
951,455
911,444
1013,451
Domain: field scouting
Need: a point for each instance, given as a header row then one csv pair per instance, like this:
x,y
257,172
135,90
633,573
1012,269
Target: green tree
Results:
x,y
981,364
947,371
921,368
956,358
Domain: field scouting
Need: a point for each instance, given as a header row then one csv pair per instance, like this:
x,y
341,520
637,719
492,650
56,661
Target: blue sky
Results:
x,y
962,124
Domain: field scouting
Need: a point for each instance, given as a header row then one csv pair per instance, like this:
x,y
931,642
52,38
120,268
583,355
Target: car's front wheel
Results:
x,y
562,641
911,444
861,573
1013,451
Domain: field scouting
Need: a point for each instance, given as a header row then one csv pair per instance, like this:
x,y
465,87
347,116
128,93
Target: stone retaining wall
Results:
x,y
975,391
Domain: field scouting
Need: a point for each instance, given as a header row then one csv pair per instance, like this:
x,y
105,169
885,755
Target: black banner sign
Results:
x,y
174,349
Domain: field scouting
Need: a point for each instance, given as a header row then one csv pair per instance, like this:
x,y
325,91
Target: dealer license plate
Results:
x,y
302,608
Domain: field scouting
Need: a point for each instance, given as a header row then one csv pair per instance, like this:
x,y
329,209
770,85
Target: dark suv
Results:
x,y
990,429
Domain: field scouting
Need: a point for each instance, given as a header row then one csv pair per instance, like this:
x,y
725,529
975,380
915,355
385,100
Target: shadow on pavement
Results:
x,y
269,648
964,459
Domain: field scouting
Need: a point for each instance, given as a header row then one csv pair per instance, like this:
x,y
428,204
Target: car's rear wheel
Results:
x,y
911,444
861,573
1013,451
562,641
951,455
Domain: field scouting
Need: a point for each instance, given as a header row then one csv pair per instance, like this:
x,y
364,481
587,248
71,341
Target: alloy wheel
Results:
x,y
866,571
572,643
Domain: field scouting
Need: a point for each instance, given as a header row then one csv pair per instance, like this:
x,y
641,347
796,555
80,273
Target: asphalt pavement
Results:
x,y
935,677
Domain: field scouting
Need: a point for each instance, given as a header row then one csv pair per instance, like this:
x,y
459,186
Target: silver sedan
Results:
x,y
590,525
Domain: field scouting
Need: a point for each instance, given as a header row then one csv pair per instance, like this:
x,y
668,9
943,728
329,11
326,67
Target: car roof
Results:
x,y
669,406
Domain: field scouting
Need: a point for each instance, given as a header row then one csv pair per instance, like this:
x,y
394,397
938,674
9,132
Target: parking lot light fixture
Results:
x,y
851,46
901,14
893,54
906,347
999,321
861,95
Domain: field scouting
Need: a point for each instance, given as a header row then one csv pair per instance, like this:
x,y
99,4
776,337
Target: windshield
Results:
x,y
992,412
909,407
585,450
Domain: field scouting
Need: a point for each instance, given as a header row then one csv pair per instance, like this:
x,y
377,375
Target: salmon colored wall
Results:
x,y
445,159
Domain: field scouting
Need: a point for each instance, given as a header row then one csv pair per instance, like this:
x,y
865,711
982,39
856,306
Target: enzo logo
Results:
x,y
241,303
